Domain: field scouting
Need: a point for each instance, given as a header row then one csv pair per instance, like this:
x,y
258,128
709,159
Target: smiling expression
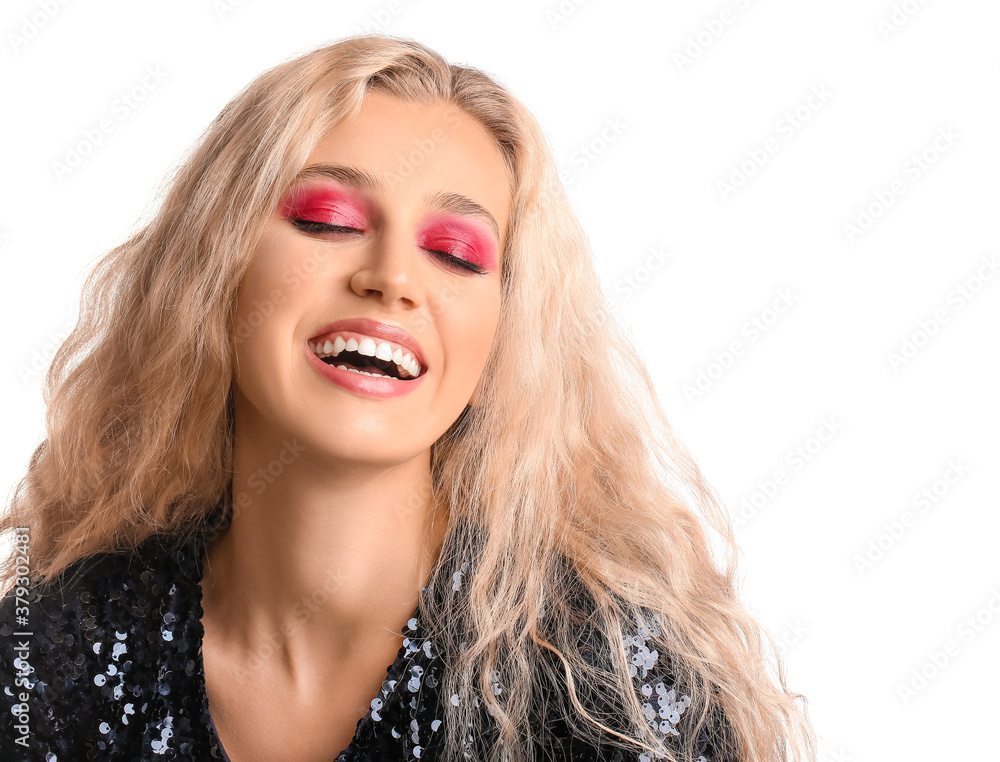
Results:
x,y
397,222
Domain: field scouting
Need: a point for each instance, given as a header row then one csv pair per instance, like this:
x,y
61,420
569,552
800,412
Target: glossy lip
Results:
x,y
372,386
376,330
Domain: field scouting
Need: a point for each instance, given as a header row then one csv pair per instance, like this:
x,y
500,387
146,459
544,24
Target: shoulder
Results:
x,y
46,656
666,704
69,648
668,708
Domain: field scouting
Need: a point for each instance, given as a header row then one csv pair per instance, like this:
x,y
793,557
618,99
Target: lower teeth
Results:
x,y
365,373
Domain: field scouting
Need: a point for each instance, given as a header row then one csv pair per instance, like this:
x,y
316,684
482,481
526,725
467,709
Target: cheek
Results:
x,y
259,297
263,271
273,282
472,334
281,272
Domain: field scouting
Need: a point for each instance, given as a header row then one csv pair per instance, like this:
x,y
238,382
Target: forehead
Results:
x,y
404,151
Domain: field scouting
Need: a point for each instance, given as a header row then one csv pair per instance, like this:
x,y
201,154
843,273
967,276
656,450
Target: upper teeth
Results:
x,y
383,350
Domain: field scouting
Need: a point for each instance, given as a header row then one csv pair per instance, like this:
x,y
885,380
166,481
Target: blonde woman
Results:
x,y
347,459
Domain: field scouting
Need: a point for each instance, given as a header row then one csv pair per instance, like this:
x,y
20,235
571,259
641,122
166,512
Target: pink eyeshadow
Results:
x,y
325,204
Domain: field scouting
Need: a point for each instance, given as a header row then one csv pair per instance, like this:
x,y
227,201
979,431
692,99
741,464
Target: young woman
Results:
x,y
347,458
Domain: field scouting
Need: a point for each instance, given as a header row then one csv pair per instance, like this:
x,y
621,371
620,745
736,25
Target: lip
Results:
x,y
369,386
378,330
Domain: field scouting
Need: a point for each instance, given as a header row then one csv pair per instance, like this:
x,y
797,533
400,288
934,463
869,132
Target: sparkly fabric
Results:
x,y
113,671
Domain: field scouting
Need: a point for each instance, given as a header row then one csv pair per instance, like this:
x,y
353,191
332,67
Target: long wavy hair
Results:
x,y
566,470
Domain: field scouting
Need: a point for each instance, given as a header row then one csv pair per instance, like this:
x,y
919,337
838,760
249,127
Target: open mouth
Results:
x,y
367,356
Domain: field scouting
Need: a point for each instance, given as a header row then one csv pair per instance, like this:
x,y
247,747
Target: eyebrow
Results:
x,y
454,203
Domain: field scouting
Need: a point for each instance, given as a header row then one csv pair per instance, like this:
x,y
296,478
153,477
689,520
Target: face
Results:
x,y
383,254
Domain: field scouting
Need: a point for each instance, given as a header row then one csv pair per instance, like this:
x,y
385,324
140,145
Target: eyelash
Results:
x,y
313,226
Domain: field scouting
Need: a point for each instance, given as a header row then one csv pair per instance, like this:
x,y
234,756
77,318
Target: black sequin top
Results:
x,y
107,666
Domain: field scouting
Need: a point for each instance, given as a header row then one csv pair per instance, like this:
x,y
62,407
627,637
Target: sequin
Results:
x,y
661,705
113,671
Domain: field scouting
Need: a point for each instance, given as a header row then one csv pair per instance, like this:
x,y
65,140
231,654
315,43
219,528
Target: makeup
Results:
x,y
463,243
327,204
460,238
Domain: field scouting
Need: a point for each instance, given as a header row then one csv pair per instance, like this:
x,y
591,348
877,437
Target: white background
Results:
x,y
873,434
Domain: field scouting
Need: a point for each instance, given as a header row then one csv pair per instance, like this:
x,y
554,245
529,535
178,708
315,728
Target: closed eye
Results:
x,y
459,263
449,260
313,226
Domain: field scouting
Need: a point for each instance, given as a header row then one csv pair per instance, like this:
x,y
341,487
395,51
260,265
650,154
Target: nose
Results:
x,y
390,270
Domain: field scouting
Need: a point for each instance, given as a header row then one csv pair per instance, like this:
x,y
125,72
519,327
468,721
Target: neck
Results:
x,y
320,555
